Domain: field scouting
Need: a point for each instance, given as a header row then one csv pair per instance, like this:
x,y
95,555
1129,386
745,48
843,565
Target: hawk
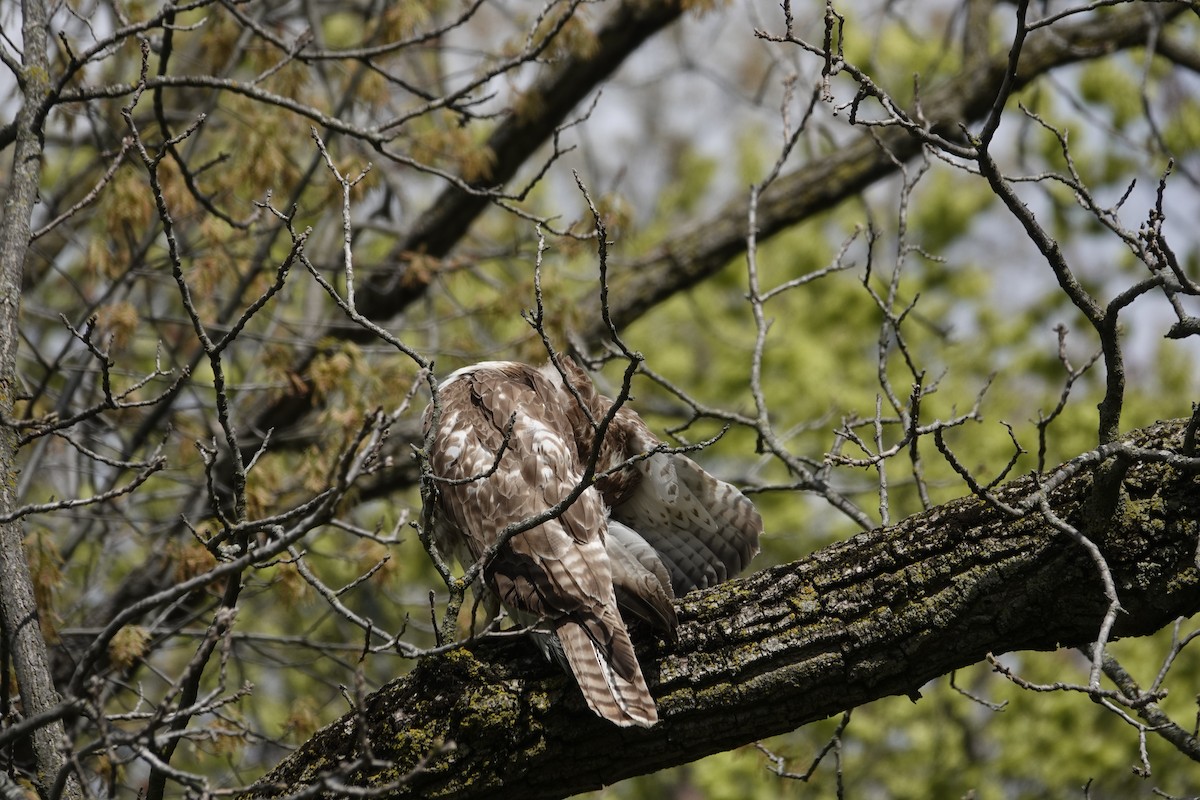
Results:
x,y
512,442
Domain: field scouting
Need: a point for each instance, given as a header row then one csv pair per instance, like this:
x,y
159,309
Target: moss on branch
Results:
x,y
877,615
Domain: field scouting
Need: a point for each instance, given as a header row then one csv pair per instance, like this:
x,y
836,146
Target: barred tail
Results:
x,y
612,683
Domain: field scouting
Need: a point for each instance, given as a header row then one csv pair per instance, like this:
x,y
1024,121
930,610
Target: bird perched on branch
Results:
x,y
600,517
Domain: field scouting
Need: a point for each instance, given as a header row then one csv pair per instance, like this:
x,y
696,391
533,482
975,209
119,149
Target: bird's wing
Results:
x,y
704,530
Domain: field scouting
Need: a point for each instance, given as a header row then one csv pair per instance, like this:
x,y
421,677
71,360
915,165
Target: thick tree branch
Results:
x,y
389,291
435,234
880,614
704,248
515,141
699,251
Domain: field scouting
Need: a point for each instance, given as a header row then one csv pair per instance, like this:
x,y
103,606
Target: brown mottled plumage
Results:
x,y
652,529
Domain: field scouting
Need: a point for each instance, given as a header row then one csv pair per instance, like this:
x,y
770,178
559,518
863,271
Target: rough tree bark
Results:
x,y
24,643
877,615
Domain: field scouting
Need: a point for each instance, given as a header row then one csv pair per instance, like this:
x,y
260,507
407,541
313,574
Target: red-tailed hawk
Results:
x,y
513,441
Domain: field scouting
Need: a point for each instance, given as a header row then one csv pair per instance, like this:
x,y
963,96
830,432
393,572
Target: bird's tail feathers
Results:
x,y
611,682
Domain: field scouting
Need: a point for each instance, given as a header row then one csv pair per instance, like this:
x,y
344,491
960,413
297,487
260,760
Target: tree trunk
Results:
x,y
877,615
26,646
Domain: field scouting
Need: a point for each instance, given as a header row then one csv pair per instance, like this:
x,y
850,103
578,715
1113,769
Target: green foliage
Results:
x,y
893,52
958,256
1182,132
945,208
1112,84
